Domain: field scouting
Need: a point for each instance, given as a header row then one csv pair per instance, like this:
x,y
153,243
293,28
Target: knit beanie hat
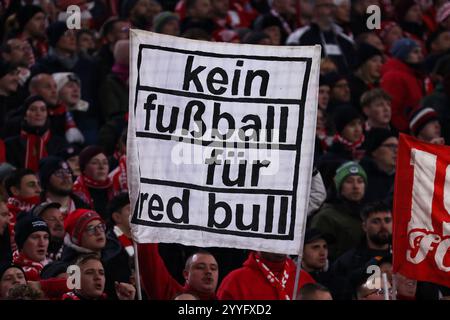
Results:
x,y
402,47
161,19
26,13
267,21
29,101
350,168
343,116
366,52
375,138
55,31
27,224
62,78
87,154
47,167
6,266
77,221
332,78
420,118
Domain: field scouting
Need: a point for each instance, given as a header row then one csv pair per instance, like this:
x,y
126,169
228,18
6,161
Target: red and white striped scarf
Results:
x,y
31,268
280,285
81,185
126,242
357,154
36,148
119,177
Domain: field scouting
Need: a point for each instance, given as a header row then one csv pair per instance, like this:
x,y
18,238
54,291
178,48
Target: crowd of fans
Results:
x,y
63,121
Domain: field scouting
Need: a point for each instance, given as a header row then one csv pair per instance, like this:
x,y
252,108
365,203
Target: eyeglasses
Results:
x,y
91,230
61,173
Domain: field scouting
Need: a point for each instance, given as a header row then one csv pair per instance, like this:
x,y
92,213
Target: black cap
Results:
x,y
375,138
38,210
313,234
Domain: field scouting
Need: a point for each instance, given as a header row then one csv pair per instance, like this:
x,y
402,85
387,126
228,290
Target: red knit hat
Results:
x,y
420,118
77,221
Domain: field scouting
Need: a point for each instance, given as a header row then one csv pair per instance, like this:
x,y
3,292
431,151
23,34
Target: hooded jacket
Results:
x,y
341,221
405,86
249,282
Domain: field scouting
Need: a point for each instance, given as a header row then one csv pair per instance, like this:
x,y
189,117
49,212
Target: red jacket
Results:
x,y
405,87
158,283
249,283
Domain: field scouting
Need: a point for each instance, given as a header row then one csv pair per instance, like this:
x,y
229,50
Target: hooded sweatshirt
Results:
x,y
250,282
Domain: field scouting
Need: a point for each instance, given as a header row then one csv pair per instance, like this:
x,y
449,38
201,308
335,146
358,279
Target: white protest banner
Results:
x,y
220,142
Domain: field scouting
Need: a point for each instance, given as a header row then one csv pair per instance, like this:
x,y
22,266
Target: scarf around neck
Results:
x,y
82,185
36,140
282,268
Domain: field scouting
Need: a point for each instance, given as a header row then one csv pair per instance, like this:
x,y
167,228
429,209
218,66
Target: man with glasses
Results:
x,y
86,234
57,183
377,226
379,163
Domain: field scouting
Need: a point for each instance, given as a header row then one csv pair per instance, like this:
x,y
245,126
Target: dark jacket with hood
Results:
x,y
349,265
380,182
16,147
340,220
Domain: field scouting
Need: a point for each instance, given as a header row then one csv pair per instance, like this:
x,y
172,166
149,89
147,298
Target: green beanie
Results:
x,y
350,168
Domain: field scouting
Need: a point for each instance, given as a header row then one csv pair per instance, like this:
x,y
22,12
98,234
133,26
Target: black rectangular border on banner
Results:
x,y
301,103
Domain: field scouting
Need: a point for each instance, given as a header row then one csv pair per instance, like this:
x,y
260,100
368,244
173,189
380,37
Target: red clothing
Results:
x,y
119,177
54,287
158,283
405,86
249,283
31,268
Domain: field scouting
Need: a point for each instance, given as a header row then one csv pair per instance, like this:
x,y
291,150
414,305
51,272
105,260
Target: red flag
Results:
x,y
421,235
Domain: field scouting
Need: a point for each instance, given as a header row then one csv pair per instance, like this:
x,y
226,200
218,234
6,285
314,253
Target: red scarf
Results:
x,y
119,177
82,185
351,146
17,204
126,242
279,284
31,268
35,148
